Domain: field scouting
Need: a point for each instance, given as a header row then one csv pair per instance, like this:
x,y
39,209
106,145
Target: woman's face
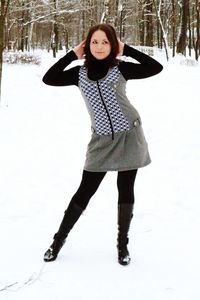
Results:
x,y
99,45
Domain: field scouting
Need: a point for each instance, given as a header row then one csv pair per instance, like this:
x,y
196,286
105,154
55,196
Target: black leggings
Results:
x,y
91,181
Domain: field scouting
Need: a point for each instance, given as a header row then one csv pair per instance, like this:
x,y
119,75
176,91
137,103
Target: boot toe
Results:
x,y
52,253
49,255
125,260
124,256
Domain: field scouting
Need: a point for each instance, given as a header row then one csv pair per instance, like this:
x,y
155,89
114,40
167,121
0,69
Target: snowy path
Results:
x,y
42,148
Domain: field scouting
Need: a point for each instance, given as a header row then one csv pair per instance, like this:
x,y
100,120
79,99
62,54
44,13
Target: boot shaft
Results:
x,y
71,216
125,214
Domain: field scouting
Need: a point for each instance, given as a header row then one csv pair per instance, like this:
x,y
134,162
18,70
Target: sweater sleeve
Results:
x,y
146,67
56,75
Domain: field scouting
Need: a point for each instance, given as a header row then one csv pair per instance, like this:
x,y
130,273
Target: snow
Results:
x,y
44,133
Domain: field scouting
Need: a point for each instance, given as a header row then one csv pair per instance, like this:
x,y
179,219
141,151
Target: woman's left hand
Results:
x,y
121,48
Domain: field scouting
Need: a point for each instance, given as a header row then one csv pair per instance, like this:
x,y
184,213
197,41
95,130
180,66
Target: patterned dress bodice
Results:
x,y
100,96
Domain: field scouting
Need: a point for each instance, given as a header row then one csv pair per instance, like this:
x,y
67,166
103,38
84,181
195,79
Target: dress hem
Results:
x,y
116,169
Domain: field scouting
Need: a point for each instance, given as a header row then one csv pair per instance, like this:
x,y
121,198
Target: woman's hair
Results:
x,y
111,36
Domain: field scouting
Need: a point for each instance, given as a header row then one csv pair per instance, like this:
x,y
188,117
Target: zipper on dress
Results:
x,y
109,118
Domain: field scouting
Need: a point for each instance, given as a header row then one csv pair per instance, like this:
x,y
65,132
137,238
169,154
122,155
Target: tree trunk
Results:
x,y
164,36
173,29
182,42
55,38
141,23
66,39
189,32
1,47
149,24
197,44
3,13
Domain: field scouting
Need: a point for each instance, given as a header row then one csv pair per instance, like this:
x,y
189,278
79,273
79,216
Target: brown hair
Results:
x,y
111,36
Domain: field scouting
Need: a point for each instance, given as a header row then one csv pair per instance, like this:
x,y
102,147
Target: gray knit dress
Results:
x,y
117,142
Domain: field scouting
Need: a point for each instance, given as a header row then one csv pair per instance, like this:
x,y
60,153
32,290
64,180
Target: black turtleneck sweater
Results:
x,y
98,69
146,67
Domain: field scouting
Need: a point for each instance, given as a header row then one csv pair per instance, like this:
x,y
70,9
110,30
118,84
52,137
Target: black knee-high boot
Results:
x,y
125,214
71,215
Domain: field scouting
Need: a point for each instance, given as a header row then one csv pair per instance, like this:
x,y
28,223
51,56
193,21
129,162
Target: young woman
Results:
x,y
117,142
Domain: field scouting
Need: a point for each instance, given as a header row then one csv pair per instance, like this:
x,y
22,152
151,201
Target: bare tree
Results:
x,y
182,41
3,14
173,21
197,43
149,23
164,34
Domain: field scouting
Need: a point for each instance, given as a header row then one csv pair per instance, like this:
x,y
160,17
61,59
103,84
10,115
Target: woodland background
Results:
x,y
46,24
26,25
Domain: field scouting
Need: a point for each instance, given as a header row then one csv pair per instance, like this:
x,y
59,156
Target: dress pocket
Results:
x,y
138,131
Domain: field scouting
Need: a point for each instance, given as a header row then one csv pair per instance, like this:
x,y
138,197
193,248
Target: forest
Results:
x,y
53,24
26,25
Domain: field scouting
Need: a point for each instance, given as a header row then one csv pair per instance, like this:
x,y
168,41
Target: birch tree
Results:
x,y
164,34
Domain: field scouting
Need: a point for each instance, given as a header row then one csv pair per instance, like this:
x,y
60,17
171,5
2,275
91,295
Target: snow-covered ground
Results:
x,y
44,133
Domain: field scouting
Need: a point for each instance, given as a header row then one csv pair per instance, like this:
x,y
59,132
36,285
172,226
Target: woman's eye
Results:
x,y
103,42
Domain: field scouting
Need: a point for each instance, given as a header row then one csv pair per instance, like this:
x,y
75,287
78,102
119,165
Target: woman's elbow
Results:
x,y
47,80
159,68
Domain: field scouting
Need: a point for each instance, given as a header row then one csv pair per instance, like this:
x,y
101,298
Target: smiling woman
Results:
x,y
99,45
117,142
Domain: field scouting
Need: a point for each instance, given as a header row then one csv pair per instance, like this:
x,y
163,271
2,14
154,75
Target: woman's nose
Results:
x,y
99,46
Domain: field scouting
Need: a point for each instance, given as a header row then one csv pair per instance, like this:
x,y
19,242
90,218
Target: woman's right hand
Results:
x,y
121,47
79,50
